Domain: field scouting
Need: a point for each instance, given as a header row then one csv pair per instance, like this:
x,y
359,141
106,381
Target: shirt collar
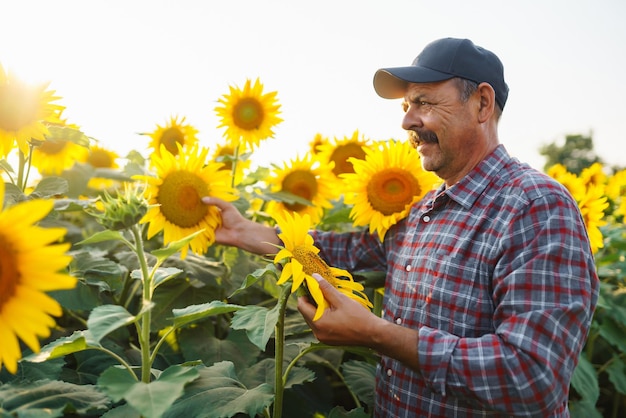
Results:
x,y
469,188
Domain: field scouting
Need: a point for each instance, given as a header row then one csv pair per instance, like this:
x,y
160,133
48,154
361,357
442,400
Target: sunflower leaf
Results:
x,y
78,341
163,253
150,399
106,319
194,313
360,376
48,398
270,271
49,187
219,387
258,321
106,235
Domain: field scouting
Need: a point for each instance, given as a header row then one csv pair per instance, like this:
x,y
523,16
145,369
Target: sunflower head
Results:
x,y
175,132
32,262
309,180
24,111
385,184
248,114
62,148
340,151
175,197
300,259
317,143
592,206
233,160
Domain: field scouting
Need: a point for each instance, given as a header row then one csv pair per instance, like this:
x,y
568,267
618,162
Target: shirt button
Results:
x,y
426,218
389,372
398,321
408,267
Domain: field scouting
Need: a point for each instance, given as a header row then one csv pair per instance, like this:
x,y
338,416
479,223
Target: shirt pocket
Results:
x,y
458,299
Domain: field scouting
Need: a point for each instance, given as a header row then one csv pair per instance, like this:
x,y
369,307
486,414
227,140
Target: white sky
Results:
x,y
122,67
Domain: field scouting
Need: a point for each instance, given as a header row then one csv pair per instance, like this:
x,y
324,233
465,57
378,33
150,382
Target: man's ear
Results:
x,y
487,97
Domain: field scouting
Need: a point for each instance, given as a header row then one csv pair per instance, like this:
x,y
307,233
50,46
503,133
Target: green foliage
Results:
x,y
146,333
576,154
599,381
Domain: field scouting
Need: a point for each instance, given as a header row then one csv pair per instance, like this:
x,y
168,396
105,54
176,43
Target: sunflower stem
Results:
x,y
146,319
20,170
279,381
234,166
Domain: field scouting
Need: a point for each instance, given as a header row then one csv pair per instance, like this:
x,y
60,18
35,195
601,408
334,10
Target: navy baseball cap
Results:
x,y
441,60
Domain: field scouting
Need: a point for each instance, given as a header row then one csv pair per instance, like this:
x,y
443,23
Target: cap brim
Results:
x,y
391,83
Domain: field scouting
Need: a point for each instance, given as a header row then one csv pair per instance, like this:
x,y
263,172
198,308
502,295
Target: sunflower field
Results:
x,y
116,301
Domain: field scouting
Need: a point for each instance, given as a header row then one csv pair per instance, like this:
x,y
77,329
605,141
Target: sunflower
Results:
x,y
248,115
317,142
301,260
592,207
31,262
175,194
233,160
339,152
574,184
307,178
100,157
385,184
60,151
24,111
594,174
175,132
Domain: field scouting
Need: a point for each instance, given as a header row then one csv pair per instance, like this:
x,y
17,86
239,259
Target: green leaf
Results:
x,y
161,275
259,323
583,409
269,272
163,253
360,378
617,374
107,318
150,399
585,380
194,313
106,235
46,398
62,347
340,412
199,343
49,187
218,393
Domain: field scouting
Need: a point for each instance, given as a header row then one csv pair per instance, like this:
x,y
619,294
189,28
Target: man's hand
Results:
x,y
346,322
238,231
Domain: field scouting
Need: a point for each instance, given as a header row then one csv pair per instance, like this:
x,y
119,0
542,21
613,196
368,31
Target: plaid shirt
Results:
x,y
497,275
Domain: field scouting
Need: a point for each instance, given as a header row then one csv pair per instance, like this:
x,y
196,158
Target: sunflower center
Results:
x,y
312,263
171,137
300,183
100,159
389,191
180,199
248,114
52,147
9,274
18,107
341,154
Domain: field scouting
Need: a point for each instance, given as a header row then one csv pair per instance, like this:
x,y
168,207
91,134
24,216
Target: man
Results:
x,y
491,284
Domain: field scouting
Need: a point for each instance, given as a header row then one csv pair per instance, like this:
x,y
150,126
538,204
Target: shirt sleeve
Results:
x,y
544,292
353,251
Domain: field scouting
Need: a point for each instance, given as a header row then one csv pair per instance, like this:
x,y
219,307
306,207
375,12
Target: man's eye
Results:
x,y
405,107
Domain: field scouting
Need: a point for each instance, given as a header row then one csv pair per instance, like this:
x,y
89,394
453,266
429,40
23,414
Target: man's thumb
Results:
x,y
326,288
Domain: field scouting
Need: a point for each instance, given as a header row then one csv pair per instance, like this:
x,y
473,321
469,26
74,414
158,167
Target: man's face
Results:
x,y
442,128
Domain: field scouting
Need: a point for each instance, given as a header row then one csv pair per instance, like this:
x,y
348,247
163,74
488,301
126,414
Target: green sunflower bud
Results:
x,y
123,211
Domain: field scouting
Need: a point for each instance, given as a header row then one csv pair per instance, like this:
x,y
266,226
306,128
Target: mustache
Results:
x,y
422,135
